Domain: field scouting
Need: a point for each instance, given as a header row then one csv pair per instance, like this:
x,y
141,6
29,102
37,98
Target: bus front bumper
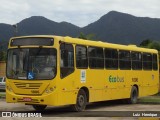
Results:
x,y
47,99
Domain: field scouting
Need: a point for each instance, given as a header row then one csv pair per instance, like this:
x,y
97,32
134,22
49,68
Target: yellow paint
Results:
x,y
97,80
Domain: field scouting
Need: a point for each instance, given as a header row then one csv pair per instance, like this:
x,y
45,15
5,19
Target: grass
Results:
x,y
150,99
2,95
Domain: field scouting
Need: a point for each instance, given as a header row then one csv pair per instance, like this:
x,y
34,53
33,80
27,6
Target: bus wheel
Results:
x,y
39,107
134,96
81,101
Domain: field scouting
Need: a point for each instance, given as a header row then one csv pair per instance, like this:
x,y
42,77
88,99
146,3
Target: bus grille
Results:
x,y
28,85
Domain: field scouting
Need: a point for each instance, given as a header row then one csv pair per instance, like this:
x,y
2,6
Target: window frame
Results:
x,y
124,60
72,69
89,64
154,62
147,69
111,68
139,61
87,58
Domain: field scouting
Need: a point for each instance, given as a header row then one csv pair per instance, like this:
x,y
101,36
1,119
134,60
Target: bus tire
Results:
x,y
80,102
133,96
39,107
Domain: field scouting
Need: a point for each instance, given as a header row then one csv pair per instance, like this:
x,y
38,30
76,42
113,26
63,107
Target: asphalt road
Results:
x,y
95,110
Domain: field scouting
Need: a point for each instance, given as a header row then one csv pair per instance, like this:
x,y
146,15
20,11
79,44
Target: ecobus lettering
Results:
x,y
116,79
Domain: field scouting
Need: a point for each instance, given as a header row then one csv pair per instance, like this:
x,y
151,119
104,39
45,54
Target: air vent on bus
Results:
x,y
28,85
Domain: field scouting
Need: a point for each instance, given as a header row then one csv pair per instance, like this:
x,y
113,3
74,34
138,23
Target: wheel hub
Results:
x,y
81,100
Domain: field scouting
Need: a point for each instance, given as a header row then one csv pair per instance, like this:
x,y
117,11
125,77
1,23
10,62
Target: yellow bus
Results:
x,y
46,70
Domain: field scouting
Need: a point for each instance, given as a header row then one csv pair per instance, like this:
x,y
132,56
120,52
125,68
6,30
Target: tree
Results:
x,y
3,55
154,45
3,50
150,44
145,43
86,37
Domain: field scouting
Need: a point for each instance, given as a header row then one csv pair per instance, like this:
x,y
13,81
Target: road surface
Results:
x,y
95,110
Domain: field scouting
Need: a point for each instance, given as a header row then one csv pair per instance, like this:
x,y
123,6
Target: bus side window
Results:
x,y
147,61
124,60
111,58
136,60
81,57
96,58
67,59
154,63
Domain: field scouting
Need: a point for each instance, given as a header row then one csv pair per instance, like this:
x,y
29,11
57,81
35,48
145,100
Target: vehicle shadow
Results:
x,y
103,104
66,111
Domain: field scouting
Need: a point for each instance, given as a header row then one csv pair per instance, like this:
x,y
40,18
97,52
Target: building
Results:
x,y
2,68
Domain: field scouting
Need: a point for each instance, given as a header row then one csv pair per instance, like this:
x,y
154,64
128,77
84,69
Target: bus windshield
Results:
x,y
31,63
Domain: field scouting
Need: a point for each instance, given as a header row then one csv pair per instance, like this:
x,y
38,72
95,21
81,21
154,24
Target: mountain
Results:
x,y
40,25
114,27
6,31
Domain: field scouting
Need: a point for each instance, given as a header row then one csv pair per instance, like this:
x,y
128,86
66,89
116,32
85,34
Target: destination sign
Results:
x,y
32,41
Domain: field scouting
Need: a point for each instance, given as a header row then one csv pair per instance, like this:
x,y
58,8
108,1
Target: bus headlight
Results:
x,y
51,89
47,91
9,88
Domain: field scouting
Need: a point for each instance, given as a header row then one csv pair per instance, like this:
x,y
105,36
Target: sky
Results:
x,y
77,12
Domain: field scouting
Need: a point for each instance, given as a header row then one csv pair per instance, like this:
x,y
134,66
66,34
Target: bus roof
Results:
x,y
108,45
94,43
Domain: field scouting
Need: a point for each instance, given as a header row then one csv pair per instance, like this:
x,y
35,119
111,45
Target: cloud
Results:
x,y
11,11
78,12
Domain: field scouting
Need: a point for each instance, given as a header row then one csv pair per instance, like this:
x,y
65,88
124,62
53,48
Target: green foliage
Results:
x,y
3,55
86,37
154,45
3,50
82,36
145,43
150,44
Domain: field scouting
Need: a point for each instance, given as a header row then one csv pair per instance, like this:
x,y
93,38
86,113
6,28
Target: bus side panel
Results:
x,y
67,92
109,84
95,82
124,80
150,83
134,78
116,84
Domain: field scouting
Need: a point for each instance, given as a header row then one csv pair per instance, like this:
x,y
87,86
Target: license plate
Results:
x,y
26,99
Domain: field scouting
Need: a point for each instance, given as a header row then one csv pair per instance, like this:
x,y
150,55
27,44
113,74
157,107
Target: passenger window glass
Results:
x,y
147,61
96,57
136,60
155,64
81,57
67,59
111,59
124,60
